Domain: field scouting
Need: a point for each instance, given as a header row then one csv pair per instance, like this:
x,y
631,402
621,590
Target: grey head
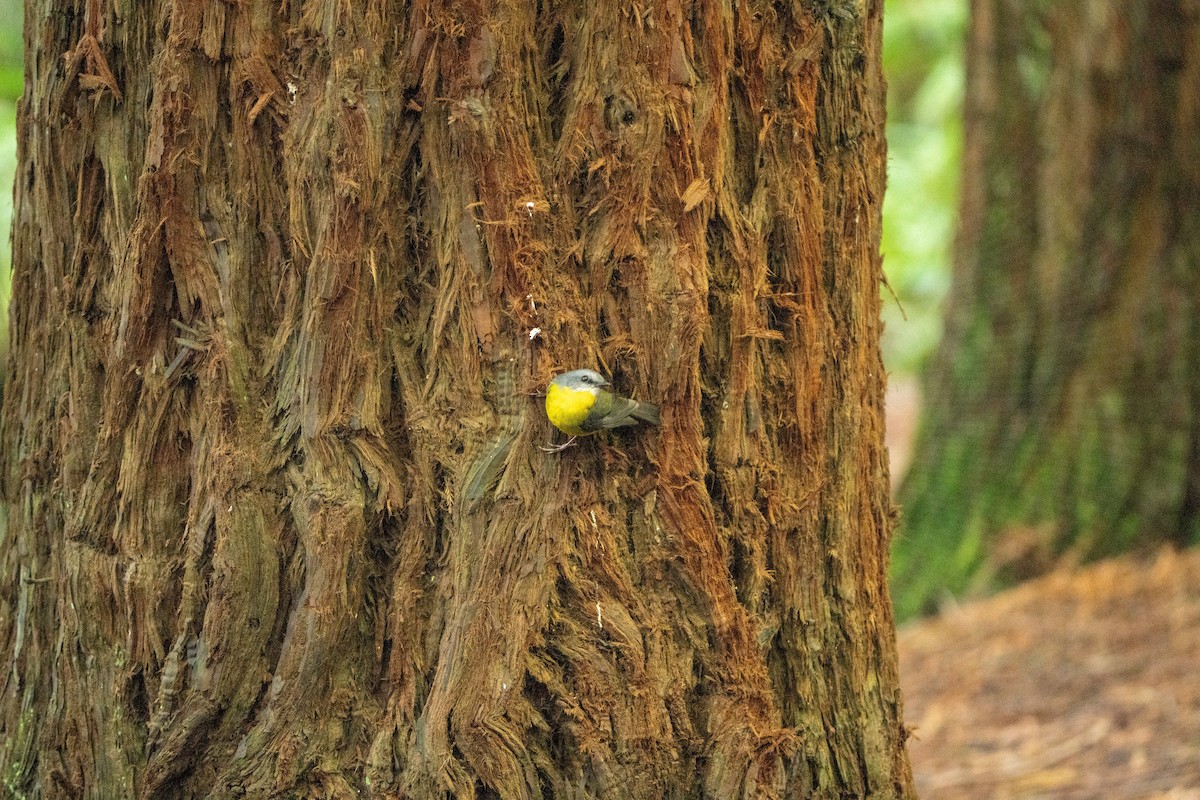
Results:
x,y
581,380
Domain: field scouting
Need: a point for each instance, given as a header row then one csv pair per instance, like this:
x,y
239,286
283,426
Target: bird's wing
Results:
x,y
612,411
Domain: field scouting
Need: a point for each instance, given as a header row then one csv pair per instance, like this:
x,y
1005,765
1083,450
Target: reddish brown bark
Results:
x,y
279,270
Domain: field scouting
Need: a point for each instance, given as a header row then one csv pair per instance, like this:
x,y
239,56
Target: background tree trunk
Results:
x,y
1063,409
287,275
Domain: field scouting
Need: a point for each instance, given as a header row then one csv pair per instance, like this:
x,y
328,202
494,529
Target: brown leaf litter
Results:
x,y
1081,684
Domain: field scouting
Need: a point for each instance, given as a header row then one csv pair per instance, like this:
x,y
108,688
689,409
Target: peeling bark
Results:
x,y
279,522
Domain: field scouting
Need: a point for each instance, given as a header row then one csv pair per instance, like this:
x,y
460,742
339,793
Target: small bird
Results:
x,y
578,404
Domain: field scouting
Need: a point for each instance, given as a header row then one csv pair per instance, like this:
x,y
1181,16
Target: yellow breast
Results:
x,y
567,409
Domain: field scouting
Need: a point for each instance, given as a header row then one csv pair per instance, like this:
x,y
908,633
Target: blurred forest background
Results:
x,y
11,80
923,61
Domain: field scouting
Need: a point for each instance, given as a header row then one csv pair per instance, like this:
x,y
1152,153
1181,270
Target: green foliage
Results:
x,y
11,84
923,61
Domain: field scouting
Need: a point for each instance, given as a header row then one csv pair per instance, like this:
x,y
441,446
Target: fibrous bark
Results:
x,y
288,278
1063,411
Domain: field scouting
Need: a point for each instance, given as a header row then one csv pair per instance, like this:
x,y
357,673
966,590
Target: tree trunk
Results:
x,y
1063,409
288,279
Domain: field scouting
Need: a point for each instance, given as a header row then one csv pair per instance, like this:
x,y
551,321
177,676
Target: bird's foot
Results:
x,y
558,448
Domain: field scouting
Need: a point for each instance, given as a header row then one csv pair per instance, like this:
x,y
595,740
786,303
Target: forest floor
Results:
x,y
1082,684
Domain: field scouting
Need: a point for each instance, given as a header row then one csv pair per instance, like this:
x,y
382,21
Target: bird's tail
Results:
x,y
646,412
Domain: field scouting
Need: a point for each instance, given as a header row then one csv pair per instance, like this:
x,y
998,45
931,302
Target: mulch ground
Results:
x,y
1078,685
